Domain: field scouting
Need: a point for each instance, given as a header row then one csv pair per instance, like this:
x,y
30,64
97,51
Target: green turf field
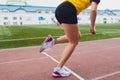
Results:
x,y
33,35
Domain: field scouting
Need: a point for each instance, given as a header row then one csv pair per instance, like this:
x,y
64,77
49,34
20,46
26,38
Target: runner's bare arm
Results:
x,y
93,14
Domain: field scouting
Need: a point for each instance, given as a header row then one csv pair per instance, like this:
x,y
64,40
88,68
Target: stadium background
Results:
x,y
19,12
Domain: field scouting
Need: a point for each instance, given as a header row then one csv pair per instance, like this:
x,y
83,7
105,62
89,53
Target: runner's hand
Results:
x,y
57,23
93,30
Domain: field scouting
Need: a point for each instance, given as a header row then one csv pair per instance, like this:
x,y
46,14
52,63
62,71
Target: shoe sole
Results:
x,y
57,76
41,49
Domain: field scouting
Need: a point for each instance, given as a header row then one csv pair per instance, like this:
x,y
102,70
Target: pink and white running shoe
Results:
x,y
60,72
47,43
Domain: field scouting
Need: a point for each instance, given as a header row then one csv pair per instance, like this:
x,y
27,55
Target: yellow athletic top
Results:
x,y
80,4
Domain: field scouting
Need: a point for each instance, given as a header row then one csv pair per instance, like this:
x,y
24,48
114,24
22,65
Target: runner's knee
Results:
x,y
79,37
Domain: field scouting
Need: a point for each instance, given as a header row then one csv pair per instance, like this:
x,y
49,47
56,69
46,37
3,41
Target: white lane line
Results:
x,y
107,75
75,74
24,60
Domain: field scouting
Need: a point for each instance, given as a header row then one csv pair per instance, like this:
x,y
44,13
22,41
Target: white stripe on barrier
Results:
x,y
44,37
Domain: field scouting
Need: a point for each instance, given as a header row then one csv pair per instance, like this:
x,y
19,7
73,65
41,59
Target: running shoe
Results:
x,y
60,72
48,42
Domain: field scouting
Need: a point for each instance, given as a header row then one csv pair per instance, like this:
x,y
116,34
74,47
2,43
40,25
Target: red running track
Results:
x,y
92,60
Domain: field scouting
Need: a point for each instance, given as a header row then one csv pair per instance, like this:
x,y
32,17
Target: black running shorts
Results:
x,y
66,13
